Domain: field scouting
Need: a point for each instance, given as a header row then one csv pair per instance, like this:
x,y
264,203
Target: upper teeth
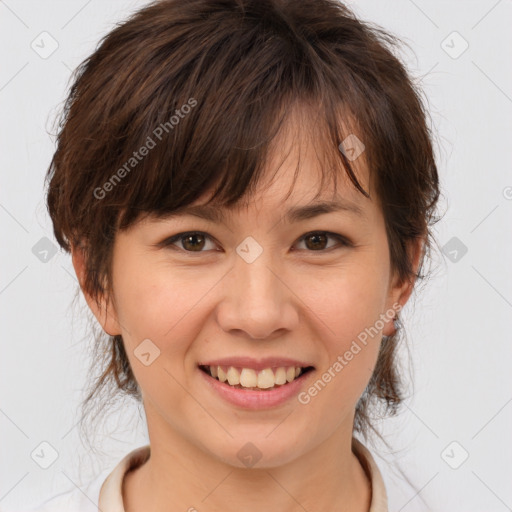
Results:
x,y
249,378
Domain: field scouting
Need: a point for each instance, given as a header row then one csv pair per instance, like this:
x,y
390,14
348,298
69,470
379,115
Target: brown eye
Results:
x,y
189,242
193,242
318,241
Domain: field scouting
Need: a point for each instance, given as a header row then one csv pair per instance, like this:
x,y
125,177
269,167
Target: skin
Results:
x,y
292,301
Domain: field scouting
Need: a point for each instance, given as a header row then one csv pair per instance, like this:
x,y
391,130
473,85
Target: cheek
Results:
x,y
346,310
346,300
159,303
163,306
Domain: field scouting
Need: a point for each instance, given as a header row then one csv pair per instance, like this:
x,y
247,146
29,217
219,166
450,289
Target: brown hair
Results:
x,y
204,86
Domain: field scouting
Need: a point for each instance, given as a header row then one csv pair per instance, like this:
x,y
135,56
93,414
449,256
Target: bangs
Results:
x,y
226,167
208,121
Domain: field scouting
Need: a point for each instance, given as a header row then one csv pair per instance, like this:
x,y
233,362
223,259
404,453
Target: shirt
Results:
x,y
105,494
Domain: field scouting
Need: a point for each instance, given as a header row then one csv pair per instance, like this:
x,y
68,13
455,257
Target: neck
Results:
x,y
180,476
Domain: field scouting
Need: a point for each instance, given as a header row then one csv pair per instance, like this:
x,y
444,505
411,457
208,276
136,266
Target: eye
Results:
x,y
317,240
196,241
193,241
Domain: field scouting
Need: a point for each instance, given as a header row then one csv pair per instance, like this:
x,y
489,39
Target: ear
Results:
x,y
104,311
399,292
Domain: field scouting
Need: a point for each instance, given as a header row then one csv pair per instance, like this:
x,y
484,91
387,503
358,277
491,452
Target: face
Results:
x,y
257,290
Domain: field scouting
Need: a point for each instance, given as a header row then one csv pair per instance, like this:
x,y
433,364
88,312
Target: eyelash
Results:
x,y
344,242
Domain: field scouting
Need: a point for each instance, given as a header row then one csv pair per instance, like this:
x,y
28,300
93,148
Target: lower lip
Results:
x,y
251,399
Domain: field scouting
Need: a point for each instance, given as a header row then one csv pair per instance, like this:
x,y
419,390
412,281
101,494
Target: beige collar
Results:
x,y
379,502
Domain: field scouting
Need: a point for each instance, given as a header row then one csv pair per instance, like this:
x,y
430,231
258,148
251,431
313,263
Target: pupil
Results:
x,y
316,237
193,246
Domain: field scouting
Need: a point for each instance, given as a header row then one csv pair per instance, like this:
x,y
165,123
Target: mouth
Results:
x,y
249,379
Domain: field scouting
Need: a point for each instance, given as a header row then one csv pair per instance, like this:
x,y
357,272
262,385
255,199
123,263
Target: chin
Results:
x,y
258,451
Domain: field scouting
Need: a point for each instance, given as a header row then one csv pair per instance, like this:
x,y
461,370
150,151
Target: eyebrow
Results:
x,y
293,214
299,213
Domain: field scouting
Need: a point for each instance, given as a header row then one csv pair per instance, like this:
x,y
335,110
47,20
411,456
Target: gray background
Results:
x,y
458,325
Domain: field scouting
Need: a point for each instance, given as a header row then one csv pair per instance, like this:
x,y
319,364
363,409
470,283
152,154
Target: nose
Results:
x,y
257,302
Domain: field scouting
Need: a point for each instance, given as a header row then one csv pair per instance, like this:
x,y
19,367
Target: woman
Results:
x,y
247,189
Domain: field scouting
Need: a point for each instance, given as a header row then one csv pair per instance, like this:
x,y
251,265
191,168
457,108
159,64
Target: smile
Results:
x,y
251,379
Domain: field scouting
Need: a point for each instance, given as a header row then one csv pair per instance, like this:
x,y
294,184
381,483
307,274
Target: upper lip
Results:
x,y
255,364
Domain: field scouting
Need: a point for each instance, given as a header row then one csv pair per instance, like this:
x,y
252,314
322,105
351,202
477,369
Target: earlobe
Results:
x,y
102,309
